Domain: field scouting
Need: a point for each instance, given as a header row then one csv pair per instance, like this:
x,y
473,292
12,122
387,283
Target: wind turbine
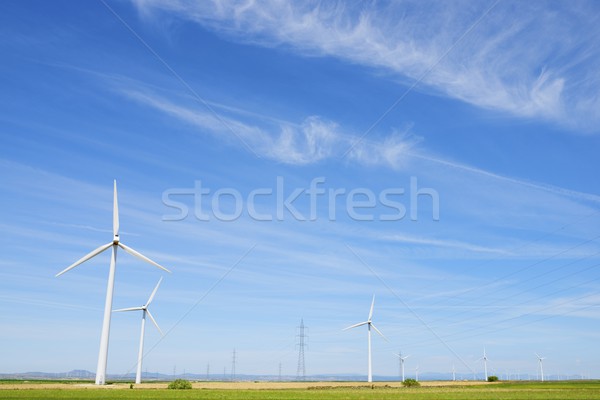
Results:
x,y
402,363
369,326
115,244
541,365
417,373
485,359
145,311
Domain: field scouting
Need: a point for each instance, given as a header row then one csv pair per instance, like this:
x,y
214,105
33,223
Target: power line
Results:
x,y
527,290
528,243
527,267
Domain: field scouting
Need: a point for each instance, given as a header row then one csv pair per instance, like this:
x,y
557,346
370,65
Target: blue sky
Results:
x,y
492,106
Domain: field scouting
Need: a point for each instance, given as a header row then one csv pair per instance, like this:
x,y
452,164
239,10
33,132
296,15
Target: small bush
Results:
x,y
492,378
180,384
411,383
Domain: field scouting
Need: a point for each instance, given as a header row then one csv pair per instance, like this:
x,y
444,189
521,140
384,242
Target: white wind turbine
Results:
x,y
115,244
369,326
417,373
485,360
145,311
541,365
402,363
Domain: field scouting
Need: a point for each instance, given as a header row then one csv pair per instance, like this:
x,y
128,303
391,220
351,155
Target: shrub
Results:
x,y
411,383
492,378
180,384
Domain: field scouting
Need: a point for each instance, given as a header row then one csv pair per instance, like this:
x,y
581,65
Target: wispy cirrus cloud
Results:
x,y
533,60
311,140
316,139
411,239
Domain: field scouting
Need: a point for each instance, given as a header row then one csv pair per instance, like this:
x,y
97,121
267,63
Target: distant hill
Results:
x,y
80,374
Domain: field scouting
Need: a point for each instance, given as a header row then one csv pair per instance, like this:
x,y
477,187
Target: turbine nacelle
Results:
x,y
144,308
368,322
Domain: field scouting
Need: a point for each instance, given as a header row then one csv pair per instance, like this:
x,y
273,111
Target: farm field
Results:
x,y
305,390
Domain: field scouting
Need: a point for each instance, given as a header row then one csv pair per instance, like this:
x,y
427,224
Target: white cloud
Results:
x,y
316,139
393,151
443,243
567,193
530,60
312,140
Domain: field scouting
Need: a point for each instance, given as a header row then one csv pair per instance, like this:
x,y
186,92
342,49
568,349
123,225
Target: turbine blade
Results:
x,y
153,292
141,256
154,322
115,212
378,331
406,357
355,325
129,309
85,258
372,305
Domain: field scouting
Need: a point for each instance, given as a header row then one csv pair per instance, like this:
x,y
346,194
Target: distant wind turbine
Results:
x,y
485,360
145,311
402,363
541,365
115,244
369,326
417,373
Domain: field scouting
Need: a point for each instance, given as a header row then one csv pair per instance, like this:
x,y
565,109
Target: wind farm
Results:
x,y
206,194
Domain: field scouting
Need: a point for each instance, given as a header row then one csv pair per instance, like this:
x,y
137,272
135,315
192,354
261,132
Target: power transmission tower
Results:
x,y
302,336
233,366
280,372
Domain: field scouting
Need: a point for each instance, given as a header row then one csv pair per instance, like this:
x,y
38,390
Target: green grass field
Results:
x,y
520,390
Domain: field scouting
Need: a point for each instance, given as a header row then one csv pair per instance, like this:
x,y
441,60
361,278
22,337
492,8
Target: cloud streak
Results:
x,y
312,140
317,139
527,60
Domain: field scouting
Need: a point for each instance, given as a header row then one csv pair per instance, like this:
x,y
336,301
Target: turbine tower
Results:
x,y
541,365
417,373
369,326
453,373
233,360
402,363
145,311
115,244
485,360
